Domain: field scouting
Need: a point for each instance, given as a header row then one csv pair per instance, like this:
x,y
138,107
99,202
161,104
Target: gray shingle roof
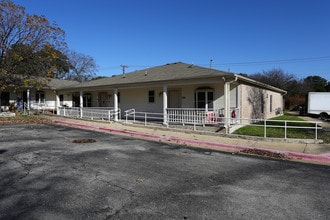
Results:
x,y
168,72
59,84
172,72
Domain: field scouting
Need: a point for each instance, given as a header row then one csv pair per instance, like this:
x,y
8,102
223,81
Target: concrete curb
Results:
x,y
303,157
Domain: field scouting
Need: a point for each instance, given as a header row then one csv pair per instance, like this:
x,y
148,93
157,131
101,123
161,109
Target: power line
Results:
x,y
243,63
283,61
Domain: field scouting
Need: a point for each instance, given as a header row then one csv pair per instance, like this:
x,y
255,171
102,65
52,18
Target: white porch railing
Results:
x,y
183,116
145,117
92,113
195,116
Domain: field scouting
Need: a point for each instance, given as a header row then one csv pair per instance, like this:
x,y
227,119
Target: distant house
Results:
x,y
171,86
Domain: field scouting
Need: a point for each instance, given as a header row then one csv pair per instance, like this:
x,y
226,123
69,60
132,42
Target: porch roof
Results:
x,y
59,84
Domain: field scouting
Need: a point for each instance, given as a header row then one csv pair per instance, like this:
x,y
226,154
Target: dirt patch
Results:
x,y
84,140
265,153
24,119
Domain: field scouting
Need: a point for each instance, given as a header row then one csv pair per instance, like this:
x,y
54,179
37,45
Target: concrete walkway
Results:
x,y
297,150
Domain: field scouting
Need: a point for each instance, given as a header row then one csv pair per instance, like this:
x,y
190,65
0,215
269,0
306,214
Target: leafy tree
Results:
x,y
27,39
83,67
315,84
327,88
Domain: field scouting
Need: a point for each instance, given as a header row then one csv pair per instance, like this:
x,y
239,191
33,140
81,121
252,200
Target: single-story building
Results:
x,y
163,89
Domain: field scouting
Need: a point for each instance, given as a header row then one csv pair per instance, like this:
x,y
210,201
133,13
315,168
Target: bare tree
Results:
x,y
83,67
275,77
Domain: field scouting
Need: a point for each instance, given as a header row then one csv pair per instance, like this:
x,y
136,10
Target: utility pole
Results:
x,y
123,67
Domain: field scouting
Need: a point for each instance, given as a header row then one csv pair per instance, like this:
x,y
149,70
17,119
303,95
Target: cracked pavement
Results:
x,y
44,175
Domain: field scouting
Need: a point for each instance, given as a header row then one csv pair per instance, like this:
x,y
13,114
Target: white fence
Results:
x,y
144,117
195,116
312,126
183,116
190,116
97,113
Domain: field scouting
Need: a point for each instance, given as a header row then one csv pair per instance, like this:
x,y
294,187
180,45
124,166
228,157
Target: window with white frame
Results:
x,y
204,98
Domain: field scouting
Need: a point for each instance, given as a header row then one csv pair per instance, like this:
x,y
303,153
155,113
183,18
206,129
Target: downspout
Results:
x,y
227,102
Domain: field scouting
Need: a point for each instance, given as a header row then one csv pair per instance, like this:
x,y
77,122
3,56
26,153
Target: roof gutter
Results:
x,y
260,84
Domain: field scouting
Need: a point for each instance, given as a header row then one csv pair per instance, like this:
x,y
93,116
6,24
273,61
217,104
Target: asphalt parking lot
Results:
x,y
48,172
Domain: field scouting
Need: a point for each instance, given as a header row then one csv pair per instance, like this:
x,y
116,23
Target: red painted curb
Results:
x,y
225,147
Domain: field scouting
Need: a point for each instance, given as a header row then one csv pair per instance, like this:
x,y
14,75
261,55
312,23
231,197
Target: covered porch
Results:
x,y
209,103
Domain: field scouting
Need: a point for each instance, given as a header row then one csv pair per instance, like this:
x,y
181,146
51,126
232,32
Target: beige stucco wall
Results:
x,y
269,109
188,95
137,98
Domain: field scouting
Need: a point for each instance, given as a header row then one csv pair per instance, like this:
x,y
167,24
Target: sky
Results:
x,y
240,36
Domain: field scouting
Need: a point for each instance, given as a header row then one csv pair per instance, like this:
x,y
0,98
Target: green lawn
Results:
x,y
275,132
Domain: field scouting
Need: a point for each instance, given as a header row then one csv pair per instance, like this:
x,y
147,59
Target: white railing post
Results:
x,y
265,128
145,119
315,130
285,130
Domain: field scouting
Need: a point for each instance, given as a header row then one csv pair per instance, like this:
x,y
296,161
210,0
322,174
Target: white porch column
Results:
x,y
165,104
227,105
28,99
57,103
81,99
227,102
115,101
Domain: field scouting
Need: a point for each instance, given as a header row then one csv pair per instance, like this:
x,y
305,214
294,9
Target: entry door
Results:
x,y
174,98
103,99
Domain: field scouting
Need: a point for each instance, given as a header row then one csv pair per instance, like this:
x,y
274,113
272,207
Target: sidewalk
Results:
x,y
291,149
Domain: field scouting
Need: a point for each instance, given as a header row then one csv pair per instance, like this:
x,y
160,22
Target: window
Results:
x,y
40,97
151,96
271,103
262,103
204,98
118,96
87,100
